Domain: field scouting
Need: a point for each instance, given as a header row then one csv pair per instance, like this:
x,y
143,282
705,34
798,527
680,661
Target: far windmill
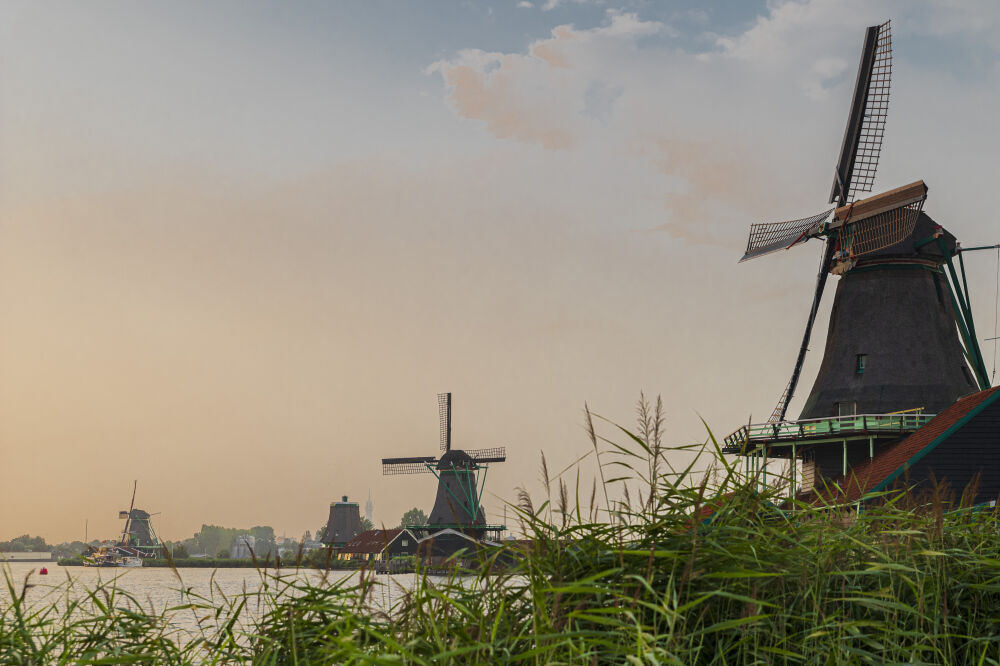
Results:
x,y
461,476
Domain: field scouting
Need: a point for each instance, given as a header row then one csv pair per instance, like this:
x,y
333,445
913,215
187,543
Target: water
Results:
x,y
158,588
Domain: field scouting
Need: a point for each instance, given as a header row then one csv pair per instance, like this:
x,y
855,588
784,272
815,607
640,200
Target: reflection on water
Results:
x,y
158,589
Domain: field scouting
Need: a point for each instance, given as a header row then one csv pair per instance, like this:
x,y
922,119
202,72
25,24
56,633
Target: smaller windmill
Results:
x,y
138,536
461,476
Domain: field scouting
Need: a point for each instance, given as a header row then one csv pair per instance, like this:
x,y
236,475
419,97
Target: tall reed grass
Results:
x,y
652,564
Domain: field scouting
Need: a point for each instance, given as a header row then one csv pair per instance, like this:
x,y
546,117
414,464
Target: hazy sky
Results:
x,y
243,245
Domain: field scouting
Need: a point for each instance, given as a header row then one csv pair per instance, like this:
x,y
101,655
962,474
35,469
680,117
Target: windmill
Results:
x,y
138,536
893,340
879,234
461,476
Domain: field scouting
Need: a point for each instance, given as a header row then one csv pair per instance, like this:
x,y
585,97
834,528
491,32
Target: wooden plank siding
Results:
x,y
973,450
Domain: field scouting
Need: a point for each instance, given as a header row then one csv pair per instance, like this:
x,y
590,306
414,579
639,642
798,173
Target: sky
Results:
x,y
243,245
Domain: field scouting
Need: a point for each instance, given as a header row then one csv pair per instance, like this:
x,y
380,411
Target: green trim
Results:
x,y
966,325
481,484
828,440
917,457
448,490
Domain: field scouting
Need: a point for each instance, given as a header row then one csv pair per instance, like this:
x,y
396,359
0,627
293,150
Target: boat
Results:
x,y
111,556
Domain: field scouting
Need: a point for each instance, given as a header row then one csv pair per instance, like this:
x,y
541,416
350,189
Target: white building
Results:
x,y
243,546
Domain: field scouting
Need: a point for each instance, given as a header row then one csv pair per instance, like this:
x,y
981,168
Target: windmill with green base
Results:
x,y
901,344
461,476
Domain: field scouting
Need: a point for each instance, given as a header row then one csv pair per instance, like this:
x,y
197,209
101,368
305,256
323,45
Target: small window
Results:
x,y
859,363
845,408
405,543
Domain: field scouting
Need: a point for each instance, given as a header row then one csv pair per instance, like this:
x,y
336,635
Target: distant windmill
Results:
x,y
461,477
138,534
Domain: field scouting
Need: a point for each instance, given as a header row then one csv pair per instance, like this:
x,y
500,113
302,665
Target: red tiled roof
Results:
x,y
867,476
372,541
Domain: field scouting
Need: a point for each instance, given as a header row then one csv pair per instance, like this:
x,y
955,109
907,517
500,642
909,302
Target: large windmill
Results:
x,y
461,476
893,342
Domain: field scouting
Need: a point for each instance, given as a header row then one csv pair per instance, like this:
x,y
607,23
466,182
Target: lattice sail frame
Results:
x,y
444,420
768,237
880,231
494,454
394,468
873,124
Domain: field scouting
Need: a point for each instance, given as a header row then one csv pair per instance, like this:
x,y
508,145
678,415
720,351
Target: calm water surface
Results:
x,y
158,588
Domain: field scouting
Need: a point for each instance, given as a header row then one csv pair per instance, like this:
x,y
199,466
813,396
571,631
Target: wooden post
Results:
x,y
794,470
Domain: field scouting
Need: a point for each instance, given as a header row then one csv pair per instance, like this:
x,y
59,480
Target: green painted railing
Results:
x,y
832,427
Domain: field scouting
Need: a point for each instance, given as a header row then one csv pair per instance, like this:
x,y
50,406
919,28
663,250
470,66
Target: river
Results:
x,y
156,589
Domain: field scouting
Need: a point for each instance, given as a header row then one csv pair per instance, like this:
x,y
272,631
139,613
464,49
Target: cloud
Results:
x,y
742,130
713,183
543,96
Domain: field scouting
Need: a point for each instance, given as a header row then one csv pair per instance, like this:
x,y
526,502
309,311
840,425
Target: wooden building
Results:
x,y
959,450
379,545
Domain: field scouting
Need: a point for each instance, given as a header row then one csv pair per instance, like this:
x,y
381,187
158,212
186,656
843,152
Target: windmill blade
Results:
x,y
878,222
415,465
496,454
862,143
769,237
444,419
898,197
881,230
781,408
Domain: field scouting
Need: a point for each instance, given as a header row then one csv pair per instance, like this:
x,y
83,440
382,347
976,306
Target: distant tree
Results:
x,y
263,540
180,551
212,538
69,549
25,543
223,554
320,533
366,525
413,517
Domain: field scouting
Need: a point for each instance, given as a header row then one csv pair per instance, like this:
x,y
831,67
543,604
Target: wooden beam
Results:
x,y
880,203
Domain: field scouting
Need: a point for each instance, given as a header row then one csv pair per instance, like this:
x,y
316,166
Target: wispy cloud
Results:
x,y
537,97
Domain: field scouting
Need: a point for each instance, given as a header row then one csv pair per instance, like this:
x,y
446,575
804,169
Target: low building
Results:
x,y
956,449
379,545
449,546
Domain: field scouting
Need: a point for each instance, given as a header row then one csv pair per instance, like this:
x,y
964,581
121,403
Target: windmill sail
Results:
x,y
865,129
444,418
769,237
412,465
881,231
495,454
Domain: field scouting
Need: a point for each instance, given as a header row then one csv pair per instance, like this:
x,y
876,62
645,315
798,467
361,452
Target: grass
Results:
x,y
683,568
